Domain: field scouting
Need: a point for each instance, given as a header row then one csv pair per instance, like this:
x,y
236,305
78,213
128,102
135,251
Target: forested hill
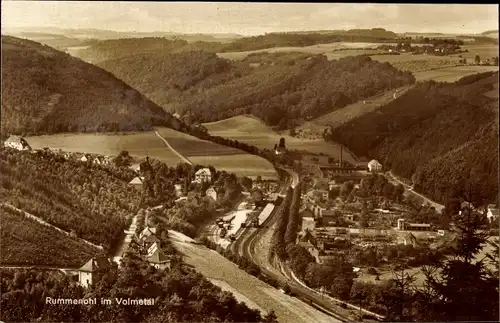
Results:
x,y
45,90
440,135
278,88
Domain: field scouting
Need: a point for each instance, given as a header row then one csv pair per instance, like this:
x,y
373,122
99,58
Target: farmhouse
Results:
x,y
374,166
157,258
92,271
137,182
17,142
203,175
212,193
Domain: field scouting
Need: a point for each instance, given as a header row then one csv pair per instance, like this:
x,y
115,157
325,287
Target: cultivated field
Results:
x,y
332,50
452,74
190,146
417,63
315,127
144,144
251,130
484,51
137,144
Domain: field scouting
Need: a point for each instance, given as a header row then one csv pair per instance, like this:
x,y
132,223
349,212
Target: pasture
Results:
x,y
253,131
140,145
331,50
314,128
137,144
452,74
484,51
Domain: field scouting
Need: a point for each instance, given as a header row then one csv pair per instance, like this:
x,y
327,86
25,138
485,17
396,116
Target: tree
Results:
x,y
123,159
246,182
495,61
282,142
477,59
292,132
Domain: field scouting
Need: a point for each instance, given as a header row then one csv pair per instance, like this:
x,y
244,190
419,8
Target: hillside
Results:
x,y
490,33
440,135
92,202
268,86
48,91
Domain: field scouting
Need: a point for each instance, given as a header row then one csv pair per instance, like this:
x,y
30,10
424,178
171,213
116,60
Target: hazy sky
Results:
x,y
248,18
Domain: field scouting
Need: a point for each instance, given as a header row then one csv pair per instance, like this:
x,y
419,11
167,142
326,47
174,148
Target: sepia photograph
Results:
x,y
263,162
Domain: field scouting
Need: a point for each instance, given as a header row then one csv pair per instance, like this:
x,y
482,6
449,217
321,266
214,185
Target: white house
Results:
x,y
374,166
147,232
17,142
157,258
85,158
203,175
212,193
137,182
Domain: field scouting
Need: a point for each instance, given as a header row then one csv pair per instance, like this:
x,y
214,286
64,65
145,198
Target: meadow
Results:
x,y
137,144
149,144
334,50
452,74
253,131
484,51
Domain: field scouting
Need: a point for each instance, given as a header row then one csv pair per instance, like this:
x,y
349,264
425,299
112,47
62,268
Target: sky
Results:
x,y
248,18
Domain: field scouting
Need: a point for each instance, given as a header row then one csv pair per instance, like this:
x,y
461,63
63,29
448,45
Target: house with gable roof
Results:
x,y
17,142
203,175
93,271
157,258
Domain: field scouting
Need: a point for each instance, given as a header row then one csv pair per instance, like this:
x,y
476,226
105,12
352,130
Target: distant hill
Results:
x,y
490,33
279,88
47,91
439,134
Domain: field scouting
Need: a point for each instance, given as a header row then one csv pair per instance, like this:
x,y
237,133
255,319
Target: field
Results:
x,y
417,63
332,50
252,131
314,128
484,51
137,144
190,146
452,74
148,144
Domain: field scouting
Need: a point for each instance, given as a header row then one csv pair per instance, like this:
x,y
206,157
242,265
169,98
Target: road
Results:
x,y
124,243
246,287
410,190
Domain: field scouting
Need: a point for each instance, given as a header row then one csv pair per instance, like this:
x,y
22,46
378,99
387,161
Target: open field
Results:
x,y
148,144
241,165
484,51
252,131
315,127
331,50
217,268
191,146
452,74
137,144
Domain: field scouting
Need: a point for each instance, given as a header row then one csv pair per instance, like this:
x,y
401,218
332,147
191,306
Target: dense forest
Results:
x,y
46,91
278,88
439,135
92,202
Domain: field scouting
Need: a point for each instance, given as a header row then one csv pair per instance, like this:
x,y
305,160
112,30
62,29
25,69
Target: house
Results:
x,y
307,240
374,166
100,160
492,212
157,258
203,175
17,142
137,182
85,158
280,150
179,190
212,193
403,226
146,233
93,271
328,216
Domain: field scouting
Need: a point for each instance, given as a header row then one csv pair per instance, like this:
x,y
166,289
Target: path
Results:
x,y
172,148
43,222
409,189
123,246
